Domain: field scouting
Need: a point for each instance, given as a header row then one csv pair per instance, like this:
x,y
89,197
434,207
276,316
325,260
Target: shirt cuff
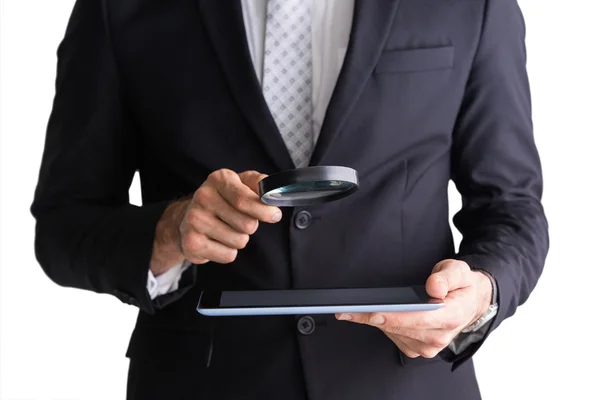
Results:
x,y
167,282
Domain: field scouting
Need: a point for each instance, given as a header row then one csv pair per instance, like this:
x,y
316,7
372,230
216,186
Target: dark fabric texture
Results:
x,y
430,91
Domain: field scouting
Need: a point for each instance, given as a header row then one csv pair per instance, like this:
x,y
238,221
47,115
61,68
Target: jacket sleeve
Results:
x,y
497,169
88,235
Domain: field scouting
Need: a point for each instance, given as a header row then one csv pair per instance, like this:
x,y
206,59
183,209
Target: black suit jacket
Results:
x,y
430,91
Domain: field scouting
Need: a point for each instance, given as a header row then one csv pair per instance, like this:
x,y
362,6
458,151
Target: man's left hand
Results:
x,y
466,294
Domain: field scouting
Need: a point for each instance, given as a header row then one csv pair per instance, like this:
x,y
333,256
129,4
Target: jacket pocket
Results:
x,y
413,60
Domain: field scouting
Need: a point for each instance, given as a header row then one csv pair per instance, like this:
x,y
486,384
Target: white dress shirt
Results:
x,y
332,22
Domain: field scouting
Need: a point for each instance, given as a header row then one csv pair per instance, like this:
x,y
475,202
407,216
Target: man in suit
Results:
x,y
204,98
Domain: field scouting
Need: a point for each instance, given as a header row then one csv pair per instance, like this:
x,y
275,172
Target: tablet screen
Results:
x,y
313,297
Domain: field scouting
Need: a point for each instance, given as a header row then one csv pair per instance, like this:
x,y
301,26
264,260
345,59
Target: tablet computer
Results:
x,y
315,301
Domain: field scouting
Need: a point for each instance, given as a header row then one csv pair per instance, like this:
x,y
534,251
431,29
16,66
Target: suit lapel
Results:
x,y
372,22
224,22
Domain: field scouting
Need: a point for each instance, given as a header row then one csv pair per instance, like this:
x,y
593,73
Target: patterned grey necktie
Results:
x,y
287,74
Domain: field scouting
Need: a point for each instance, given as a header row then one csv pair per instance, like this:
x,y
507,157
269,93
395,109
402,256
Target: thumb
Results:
x,y
251,179
447,275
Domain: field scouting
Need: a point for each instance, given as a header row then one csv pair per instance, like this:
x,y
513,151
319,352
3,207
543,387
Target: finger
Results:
x,y
438,338
360,318
385,321
399,321
246,201
219,253
197,247
427,342
211,202
407,351
242,198
457,313
399,342
251,179
448,275
422,349
223,233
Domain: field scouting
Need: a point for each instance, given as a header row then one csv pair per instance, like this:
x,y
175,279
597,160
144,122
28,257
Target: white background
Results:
x,y
66,344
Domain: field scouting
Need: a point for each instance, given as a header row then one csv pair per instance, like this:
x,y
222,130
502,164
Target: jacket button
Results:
x,y
306,325
302,220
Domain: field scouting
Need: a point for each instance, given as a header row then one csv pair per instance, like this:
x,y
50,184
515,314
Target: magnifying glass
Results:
x,y
308,186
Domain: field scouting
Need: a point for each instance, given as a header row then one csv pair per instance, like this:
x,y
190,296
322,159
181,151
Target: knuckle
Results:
x,y
249,226
230,256
243,241
440,341
410,354
239,202
194,247
192,216
202,195
249,174
214,177
429,352
463,266
198,218
220,176
189,243
205,197
447,338
464,272
197,260
438,267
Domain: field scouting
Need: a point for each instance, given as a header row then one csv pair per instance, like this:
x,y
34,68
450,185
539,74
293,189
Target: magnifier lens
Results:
x,y
308,186
308,190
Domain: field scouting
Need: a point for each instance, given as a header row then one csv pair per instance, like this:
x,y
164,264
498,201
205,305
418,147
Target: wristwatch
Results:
x,y
491,311
484,319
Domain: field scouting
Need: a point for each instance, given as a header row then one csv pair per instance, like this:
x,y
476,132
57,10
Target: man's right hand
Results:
x,y
214,224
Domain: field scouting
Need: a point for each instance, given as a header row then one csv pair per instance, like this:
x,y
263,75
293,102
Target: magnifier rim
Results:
x,y
304,175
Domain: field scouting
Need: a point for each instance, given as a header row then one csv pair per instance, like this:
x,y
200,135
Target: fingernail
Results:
x,y
277,217
377,320
345,317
